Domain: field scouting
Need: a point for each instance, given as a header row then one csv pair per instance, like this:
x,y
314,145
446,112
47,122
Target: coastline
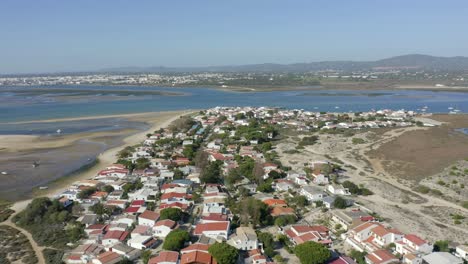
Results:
x,y
156,120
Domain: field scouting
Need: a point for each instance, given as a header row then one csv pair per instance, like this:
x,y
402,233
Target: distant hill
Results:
x,y
412,61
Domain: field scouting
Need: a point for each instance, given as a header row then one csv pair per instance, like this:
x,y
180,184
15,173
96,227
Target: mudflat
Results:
x,y
64,159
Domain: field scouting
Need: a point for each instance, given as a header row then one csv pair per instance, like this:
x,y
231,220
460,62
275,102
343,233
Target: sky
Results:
x,y
85,35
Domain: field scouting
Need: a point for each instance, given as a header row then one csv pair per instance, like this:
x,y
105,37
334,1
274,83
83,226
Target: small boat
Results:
x,y
450,108
43,187
35,164
4,173
59,131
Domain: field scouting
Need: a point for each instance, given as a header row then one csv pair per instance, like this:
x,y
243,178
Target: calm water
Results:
x,y
40,103
16,106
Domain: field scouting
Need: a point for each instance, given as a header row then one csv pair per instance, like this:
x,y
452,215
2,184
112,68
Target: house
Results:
x,y
357,236
88,219
412,244
284,185
213,217
163,227
195,247
350,218
381,256
312,193
142,242
126,251
197,257
95,229
176,197
218,230
148,218
165,257
275,202
278,211
299,234
255,256
337,189
108,257
141,230
244,238
319,178
462,251
441,258
113,237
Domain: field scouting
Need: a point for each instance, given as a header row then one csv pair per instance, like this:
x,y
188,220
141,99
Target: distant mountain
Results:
x,y
412,61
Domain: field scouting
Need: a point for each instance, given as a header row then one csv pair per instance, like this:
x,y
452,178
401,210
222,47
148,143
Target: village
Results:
x,y
210,188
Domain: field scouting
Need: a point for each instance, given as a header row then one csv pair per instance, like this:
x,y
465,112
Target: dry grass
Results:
x,y
420,153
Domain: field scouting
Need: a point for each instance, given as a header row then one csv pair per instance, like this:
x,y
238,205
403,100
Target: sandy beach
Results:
x,y
156,121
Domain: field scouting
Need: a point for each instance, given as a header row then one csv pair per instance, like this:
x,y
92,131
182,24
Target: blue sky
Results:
x,y
57,36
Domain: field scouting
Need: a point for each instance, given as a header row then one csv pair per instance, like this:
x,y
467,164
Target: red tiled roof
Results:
x,y
215,217
132,210
167,222
415,239
217,226
275,202
195,247
120,235
198,257
277,211
175,195
137,203
380,256
173,205
165,256
151,215
108,257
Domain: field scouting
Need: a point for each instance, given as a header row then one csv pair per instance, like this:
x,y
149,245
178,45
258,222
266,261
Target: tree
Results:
x,y
358,256
145,256
284,220
224,253
175,214
176,239
268,243
108,189
178,174
340,203
212,173
142,163
441,246
86,193
312,253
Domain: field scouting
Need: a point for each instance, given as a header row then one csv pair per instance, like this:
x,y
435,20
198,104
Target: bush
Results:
x,y
357,141
340,203
423,189
52,256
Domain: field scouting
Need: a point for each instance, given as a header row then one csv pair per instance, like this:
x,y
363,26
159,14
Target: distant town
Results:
x,y
436,79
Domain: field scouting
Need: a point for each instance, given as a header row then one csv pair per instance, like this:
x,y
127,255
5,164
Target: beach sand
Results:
x,y
13,143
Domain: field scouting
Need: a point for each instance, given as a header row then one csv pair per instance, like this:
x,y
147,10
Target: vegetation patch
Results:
x,y
15,247
50,223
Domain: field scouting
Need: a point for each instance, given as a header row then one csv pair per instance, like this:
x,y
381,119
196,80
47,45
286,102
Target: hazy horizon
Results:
x,y
56,36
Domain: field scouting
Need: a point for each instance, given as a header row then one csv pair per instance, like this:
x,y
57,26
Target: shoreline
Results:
x,y
156,120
